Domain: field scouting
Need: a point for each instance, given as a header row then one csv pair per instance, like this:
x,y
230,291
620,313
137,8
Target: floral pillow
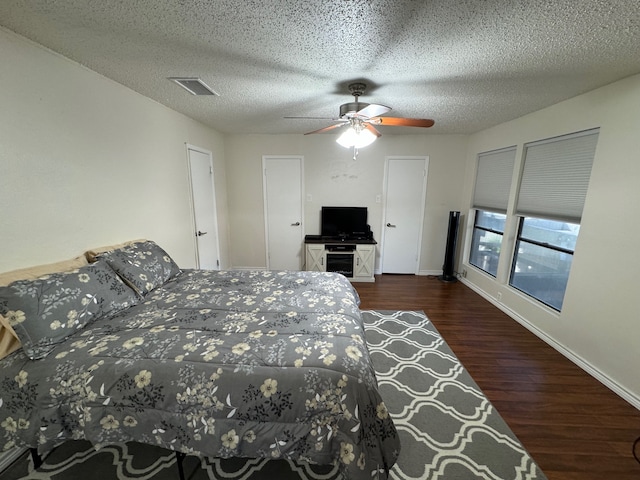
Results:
x,y
45,311
144,265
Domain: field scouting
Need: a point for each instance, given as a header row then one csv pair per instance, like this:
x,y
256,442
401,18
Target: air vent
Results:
x,y
194,86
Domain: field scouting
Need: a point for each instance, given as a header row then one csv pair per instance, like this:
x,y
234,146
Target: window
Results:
x,y
553,188
544,251
490,199
486,240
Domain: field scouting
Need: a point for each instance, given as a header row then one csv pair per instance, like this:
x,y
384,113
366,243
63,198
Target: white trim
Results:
x,y
572,356
427,273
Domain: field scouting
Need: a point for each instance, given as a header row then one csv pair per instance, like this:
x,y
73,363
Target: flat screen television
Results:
x,y
350,222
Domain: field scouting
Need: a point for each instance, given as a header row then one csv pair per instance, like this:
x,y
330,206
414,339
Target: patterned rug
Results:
x,y
448,428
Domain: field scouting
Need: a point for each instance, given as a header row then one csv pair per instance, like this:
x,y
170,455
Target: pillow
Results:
x,y
144,266
9,341
45,311
93,254
40,270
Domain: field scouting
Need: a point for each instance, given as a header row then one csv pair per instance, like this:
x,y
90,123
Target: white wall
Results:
x,y
599,325
332,177
86,162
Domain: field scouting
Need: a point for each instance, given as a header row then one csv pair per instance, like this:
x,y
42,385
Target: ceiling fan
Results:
x,y
362,119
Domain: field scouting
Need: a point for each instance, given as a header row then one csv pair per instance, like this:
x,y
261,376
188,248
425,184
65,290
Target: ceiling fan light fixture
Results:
x,y
354,138
362,119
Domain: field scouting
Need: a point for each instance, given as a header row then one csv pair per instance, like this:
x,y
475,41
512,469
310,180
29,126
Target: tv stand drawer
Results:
x,y
341,248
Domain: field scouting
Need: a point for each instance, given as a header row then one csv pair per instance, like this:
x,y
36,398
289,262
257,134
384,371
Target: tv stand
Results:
x,y
354,258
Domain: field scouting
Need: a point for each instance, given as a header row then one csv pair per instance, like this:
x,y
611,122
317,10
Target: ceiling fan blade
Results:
x,y
403,122
373,110
326,129
372,129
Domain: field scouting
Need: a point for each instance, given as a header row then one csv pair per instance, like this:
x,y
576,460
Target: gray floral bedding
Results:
x,y
216,363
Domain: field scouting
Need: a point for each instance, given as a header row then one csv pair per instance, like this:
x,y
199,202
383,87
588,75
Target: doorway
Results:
x,y
405,189
283,193
203,200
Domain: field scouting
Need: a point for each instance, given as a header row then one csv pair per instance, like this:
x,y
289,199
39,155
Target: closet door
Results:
x,y
204,208
283,193
405,194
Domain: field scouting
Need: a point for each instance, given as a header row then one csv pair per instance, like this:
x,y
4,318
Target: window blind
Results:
x,y
493,179
556,176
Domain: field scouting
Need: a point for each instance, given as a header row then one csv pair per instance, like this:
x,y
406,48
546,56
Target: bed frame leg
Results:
x,y
37,459
179,458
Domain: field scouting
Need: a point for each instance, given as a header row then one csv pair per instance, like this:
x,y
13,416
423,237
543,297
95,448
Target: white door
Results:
x,y
405,193
204,208
283,193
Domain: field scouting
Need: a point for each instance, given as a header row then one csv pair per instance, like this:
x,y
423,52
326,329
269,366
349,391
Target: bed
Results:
x,y
256,364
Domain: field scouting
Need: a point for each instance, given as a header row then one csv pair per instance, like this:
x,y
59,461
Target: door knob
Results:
x,y
201,233
297,224
391,226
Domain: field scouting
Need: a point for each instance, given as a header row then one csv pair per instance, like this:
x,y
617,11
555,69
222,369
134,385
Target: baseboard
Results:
x,y
422,273
429,273
577,359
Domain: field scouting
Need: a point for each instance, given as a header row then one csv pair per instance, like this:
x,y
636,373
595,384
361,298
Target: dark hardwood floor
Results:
x,y
573,426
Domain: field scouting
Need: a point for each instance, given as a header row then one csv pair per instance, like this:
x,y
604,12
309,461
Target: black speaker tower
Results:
x,y
448,274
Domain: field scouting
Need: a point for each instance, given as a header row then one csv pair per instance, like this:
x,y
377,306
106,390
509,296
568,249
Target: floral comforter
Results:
x,y
216,363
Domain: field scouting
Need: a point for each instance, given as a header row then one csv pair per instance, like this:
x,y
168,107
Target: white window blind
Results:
x,y
556,176
493,179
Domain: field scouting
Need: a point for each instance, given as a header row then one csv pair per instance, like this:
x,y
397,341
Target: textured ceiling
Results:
x,y
466,64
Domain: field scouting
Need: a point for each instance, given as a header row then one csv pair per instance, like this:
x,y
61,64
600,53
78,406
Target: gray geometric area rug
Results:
x,y
448,428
